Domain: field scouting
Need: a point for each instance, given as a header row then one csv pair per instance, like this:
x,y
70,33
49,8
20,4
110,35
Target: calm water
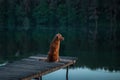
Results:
x,y
94,63
83,74
92,68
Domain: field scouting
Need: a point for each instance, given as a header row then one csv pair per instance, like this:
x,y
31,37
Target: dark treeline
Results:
x,y
100,60
27,26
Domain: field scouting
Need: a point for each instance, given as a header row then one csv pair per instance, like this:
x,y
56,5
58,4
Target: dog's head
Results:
x,y
59,37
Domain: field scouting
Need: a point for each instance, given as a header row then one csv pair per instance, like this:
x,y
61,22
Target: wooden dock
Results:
x,y
33,67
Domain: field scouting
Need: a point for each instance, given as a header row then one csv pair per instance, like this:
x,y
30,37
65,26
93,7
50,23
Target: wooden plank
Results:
x,y
47,71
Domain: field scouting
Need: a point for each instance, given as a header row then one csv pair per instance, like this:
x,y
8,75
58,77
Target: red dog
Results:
x,y
53,54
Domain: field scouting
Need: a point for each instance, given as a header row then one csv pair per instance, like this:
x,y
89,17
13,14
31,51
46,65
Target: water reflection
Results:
x,y
97,60
3,64
83,74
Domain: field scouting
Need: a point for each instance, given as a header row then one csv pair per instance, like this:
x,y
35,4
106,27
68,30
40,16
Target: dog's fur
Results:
x,y
53,54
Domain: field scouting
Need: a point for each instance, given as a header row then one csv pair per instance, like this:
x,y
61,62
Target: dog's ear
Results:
x,y
57,36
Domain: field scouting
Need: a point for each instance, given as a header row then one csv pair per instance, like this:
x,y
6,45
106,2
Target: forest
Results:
x,y
27,26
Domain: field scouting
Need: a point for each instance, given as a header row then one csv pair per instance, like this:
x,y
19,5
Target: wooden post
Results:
x,y
39,78
67,72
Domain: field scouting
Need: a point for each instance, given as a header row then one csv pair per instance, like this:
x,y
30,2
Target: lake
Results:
x,y
91,29
83,74
96,60
92,68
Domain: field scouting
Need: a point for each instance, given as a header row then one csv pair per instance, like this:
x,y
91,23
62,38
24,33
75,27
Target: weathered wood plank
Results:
x,y
32,67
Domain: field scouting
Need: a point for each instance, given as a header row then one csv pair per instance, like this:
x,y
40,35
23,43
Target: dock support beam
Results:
x,y
67,68
40,78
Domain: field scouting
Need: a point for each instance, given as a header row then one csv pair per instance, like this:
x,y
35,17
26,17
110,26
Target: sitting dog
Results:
x,y
53,54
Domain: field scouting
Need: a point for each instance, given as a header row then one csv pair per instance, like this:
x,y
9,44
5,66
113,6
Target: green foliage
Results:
x,y
28,26
41,13
62,15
